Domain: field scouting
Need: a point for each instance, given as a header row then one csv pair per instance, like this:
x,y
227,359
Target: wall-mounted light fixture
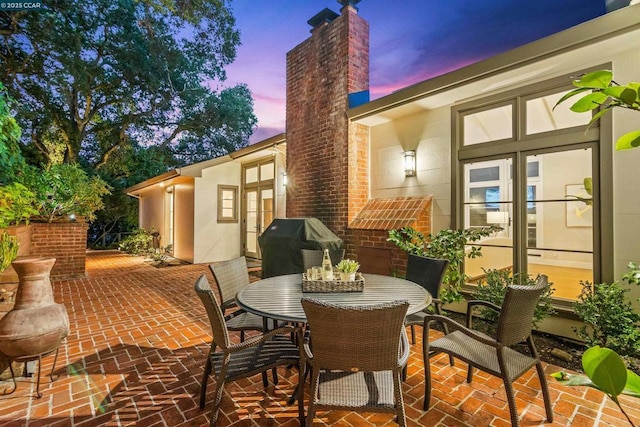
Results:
x,y
410,163
285,181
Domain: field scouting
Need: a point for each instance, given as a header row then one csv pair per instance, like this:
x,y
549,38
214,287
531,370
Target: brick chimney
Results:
x,y
327,157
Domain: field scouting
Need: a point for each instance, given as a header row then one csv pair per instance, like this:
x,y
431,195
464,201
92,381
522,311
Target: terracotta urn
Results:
x,y
37,324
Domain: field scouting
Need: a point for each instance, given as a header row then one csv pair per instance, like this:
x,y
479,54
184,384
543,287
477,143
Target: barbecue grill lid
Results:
x,y
282,242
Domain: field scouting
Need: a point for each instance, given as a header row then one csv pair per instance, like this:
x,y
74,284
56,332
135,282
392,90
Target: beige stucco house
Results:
x,y
489,149
208,211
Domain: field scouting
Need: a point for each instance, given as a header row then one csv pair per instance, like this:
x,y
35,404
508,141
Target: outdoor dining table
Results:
x,y
279,297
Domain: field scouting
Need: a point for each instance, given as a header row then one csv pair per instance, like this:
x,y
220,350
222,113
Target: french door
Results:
x,y
258,203
532,170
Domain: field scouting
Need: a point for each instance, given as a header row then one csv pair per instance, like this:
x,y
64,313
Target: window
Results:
x,y
530,183
543,117
488,125
227,203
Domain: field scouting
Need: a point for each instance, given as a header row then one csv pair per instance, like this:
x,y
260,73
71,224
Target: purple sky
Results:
x,y
410,40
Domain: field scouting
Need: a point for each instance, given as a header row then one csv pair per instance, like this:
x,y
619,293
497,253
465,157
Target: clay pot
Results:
x,y
37,324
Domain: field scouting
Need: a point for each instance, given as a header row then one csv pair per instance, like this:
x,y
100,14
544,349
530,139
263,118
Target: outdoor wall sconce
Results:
x,y
410,163
284,179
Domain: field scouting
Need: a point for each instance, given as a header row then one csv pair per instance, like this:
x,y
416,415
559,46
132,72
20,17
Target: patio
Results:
x,y
135,355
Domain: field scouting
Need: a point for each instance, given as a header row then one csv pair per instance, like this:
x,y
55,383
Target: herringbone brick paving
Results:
x,y
136,353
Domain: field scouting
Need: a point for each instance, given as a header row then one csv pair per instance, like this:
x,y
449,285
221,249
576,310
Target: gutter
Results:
x,y
156,179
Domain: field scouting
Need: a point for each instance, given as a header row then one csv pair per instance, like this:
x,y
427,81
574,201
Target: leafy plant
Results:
x,y
8,250
16,204
161,255
65,189
140,242
606,94
609,317
11,160
452,245
605,371
494,288
348,266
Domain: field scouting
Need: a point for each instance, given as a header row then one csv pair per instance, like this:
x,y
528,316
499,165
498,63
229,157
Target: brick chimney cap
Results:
x,y
325,15
349,2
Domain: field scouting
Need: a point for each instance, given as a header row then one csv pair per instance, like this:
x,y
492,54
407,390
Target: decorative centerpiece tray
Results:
x,y
335,285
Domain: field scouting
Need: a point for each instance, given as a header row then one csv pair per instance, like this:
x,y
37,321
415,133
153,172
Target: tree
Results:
x,y
128,167
11,160
92,77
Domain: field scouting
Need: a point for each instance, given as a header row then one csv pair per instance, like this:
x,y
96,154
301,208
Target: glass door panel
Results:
x,y
259,204
251,231
562,210
488,201
266,199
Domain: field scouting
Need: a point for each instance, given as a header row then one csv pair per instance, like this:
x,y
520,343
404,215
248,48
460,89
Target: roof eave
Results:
x,y
603,27
151,181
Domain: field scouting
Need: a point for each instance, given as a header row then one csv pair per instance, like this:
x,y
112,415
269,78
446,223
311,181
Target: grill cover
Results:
x,y
282,242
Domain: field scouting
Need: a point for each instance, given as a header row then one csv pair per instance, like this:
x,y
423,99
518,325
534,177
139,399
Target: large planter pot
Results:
x,y
37,324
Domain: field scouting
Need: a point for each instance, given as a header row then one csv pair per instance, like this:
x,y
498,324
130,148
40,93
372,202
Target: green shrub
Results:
x,y
65,189
16,205
161,255
609,317
11,161
140,242
446,244
494,287
8,250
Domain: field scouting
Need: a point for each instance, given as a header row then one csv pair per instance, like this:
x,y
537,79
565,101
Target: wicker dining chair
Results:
x,y
229,362
313,257
494,355
428,273
355,355
231,276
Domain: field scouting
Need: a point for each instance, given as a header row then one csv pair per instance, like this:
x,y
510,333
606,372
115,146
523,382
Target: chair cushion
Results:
x,y
356,390
279,350
245,322
481,355
415,318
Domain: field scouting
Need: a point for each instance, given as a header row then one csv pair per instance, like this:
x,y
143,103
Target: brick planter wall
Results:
x,y
65,241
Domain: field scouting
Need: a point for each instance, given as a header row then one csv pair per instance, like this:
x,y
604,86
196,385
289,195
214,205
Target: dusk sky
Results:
x,y
410,40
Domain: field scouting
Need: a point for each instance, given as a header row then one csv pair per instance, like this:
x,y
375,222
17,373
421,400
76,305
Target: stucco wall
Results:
x,y
626,173
214,241
151,208
184,221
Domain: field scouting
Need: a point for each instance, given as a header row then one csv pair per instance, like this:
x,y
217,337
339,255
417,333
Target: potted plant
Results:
x,y
348,269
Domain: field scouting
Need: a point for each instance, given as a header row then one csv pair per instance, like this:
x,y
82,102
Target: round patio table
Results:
x,y
279,297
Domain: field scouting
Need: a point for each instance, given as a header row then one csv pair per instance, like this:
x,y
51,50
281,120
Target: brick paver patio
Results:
x,y
136,352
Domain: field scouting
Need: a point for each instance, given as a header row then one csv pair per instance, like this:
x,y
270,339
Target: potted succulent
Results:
x,y
347,269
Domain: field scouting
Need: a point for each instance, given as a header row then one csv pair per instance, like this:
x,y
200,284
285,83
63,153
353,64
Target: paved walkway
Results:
x,y
136,352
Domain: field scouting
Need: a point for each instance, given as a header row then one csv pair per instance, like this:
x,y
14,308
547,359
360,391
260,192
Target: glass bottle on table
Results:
x,y
327,267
